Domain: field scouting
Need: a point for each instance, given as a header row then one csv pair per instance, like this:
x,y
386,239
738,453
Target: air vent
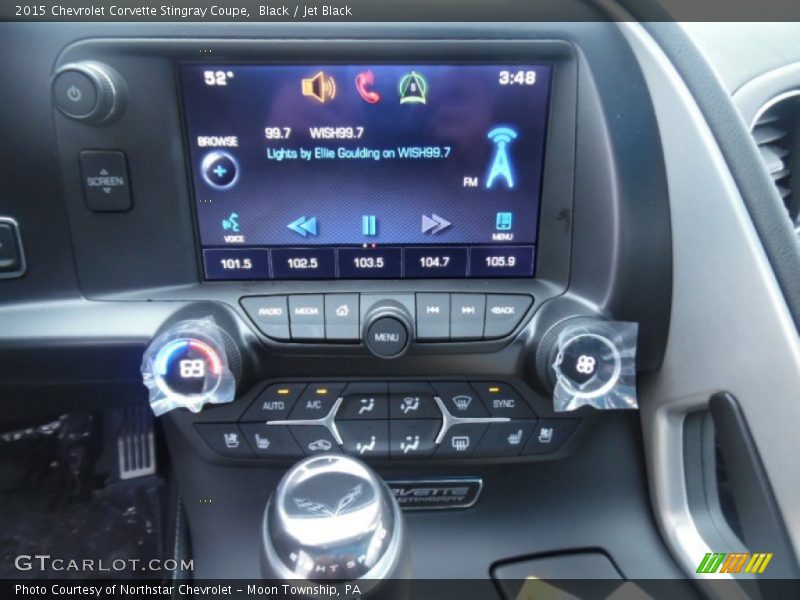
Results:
x,y
776,131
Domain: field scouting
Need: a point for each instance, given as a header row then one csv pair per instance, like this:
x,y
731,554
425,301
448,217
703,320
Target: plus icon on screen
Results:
x,y
220,169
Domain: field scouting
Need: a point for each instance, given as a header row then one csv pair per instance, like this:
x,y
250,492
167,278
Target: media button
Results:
x,y
504,312
433,316
466,316
307,317
439,262
304,263
370,263
236,263
501,261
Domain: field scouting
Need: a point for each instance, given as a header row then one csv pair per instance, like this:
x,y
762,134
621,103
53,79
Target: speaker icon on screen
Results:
x,y
320,86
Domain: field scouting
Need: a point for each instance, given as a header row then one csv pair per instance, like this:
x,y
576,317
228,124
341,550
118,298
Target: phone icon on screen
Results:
x,y
364,81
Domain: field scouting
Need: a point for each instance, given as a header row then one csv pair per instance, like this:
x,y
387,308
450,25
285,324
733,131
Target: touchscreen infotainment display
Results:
x,y
330,171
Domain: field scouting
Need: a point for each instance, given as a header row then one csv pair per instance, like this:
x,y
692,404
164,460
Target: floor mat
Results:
x,y
54,501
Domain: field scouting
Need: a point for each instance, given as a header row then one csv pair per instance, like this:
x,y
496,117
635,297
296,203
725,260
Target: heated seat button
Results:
x,y
271,441
274,403
505,439
364,401
550,435
504,312
365,439
316,401
501,400
105,181
412,400
467,316
307,317
460,400
314,439
461,440
225,439
270,314
413,438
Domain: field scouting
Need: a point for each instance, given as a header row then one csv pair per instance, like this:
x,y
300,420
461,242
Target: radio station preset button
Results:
x,y
236,263
370,263
501,261
436,262
304,263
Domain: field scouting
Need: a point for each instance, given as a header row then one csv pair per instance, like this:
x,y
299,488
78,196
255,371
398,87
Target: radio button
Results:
x,y
504,312
460,400
274,403
505,439
461,440
364,401
412,401
467,316
307,317
365,439
341,317
271,441
270,314
501,400
433,316
413,438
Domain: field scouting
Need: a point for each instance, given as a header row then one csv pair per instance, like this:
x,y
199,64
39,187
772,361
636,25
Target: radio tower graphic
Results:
x,y
501,164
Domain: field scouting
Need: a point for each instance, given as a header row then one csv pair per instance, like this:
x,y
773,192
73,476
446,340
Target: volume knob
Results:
x,y
89,91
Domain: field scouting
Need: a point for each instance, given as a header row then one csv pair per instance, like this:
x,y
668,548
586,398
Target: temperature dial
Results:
x,y
191,364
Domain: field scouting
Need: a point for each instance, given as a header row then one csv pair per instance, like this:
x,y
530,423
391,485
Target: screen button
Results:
x,y
501,261
304,263
504,312
236,263
270,315
105,181
369,263
439,262
466,318
433,316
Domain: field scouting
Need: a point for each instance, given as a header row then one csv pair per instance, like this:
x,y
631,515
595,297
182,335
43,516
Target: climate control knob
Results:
x,y
387,329
190,364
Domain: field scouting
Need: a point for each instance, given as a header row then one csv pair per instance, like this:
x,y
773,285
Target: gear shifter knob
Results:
x,y
332,518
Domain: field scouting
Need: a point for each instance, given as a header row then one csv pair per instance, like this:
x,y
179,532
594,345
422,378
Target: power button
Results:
x,y
74,94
